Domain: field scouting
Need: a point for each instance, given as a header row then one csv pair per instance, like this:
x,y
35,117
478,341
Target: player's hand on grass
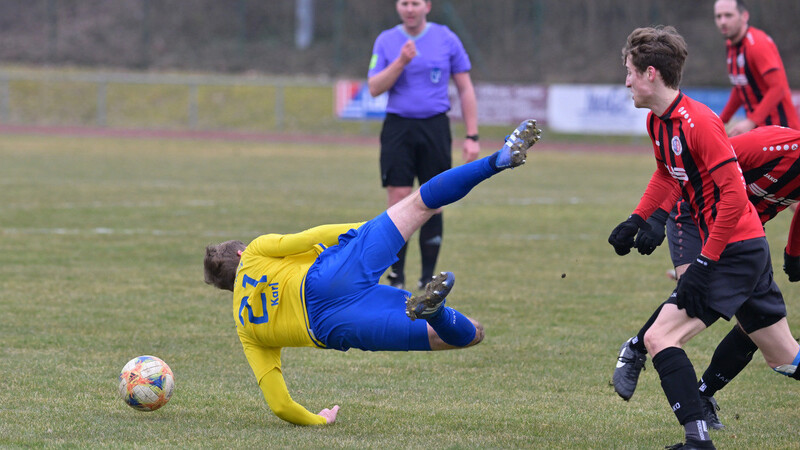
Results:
x,y
791,265
330,414
622,236
647,240
692,291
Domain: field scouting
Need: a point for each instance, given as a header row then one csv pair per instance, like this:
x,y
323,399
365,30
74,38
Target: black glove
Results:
x,y
692,291
647,240
791,265
622,236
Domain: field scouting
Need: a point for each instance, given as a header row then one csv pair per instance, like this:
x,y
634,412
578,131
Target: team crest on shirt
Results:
x,y
436,75
740,60
677,148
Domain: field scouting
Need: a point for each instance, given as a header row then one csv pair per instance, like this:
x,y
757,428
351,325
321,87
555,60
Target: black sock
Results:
x,y
678,381
638,343
696,430
430,241
398,268
732,355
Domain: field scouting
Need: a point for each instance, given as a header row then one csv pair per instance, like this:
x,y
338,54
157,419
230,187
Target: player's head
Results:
x,y
221,262
731,17
659,47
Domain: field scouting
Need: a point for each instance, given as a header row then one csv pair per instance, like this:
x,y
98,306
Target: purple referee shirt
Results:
x,y
421,90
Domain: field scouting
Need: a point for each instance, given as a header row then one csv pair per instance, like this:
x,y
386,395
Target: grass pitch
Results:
x,y
101,244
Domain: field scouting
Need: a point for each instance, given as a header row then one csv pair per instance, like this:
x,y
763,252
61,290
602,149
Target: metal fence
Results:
x,y
171,101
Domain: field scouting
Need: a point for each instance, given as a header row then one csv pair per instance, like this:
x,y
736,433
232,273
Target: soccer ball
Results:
x,y
146,383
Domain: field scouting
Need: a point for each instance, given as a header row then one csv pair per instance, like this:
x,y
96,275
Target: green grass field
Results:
x,y
101,244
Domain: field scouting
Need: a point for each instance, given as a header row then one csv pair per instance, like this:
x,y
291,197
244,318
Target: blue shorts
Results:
x,y
682,235
347,307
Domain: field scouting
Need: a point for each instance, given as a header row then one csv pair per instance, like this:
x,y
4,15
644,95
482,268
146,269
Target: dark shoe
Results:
x,y
630,364
428,303
710,408
692,445
515,149
396,280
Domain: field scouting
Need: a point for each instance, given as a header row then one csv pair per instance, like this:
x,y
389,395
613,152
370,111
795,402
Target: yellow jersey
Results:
x,y
270,311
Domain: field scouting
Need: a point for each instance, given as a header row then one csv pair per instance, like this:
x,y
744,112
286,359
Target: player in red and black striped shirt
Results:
x,y
732,275
755,70
770,159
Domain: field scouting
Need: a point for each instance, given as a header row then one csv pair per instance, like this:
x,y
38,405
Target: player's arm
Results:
x,y
791,254
793,243
266,365
469,111
329,234
660,186
280,402
278,245
734,103
661,190
775,81
647,240
692,290
777,84
730,207
386,78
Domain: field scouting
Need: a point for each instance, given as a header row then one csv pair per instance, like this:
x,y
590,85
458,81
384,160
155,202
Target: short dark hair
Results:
x,y
661,47
741,6
221,263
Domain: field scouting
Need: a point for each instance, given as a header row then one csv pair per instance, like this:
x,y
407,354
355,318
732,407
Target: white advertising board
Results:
x,y
594,109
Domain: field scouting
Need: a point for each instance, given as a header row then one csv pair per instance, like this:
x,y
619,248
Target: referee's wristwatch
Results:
x,y
473,137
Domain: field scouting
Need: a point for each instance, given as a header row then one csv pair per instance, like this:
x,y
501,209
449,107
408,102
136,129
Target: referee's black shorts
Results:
x,y
414,148
741,285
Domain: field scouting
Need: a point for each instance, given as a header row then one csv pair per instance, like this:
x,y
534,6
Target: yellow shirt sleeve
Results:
x,y
279,245
280,402
266,365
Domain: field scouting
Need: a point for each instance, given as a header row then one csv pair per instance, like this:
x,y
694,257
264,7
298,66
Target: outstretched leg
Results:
x,y
409,214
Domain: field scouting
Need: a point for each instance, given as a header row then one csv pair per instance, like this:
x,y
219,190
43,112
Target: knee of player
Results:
x,y
479,333
653,343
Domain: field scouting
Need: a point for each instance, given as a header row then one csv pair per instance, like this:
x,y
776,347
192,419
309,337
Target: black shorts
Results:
x,y
741,285
414,148
682,235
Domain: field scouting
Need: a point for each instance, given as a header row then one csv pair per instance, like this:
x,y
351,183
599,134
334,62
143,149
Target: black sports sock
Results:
x,y
732,355
639,344
398,268
678,382
696,431
430,241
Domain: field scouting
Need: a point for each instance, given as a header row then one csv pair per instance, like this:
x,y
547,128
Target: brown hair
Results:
x,y
661,47
221,262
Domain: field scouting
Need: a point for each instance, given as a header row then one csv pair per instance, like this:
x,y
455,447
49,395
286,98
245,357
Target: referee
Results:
x,y
414,62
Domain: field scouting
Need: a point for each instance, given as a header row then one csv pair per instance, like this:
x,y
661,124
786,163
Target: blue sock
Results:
x,y
452,185
453,327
